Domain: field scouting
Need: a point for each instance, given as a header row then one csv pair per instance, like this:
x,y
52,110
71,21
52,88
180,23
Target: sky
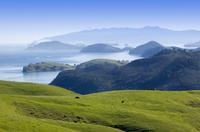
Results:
x,y
23,21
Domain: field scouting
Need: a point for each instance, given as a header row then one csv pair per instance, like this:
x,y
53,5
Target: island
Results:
x,y
47,67
52,46
100,48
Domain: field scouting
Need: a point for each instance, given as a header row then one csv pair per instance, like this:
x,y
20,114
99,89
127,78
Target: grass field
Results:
x,y
26,107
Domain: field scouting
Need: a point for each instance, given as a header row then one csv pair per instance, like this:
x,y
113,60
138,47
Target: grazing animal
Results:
x,y
77,97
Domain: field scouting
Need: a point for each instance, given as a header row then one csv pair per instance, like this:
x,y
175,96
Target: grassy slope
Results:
x,y
31,89
54,109
18,100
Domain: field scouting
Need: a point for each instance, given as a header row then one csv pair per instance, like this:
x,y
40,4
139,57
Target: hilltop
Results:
x,y
101,63
147,50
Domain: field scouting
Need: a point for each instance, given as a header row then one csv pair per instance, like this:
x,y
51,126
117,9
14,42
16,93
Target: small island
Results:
x,y
46,67
100,48
51,46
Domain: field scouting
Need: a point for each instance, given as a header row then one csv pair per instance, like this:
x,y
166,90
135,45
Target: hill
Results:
x,y
117,111
46,66
94,75
147,50
101,63
170,69
51,46
100,48
131,36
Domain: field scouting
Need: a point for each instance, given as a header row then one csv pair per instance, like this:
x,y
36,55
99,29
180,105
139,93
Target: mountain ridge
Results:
x,y
131,36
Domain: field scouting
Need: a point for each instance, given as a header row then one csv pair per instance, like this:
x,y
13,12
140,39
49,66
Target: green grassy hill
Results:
x,y
15,88
26,107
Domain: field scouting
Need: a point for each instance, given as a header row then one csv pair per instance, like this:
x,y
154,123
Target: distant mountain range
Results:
x,y
130,36
170,69
145,50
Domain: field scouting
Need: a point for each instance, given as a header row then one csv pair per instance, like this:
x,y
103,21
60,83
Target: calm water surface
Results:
x,y
11,65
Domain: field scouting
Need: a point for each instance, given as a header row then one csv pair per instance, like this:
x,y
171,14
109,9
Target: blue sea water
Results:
x,y
11,65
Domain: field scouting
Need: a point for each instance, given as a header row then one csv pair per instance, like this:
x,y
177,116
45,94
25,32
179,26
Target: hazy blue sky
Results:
x,y
22,21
